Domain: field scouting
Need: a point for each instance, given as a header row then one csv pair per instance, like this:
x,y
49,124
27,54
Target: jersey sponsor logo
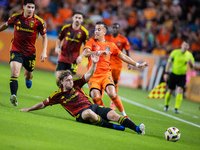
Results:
x,y
31,24
22,29
107,48
67,100
79,35
70,39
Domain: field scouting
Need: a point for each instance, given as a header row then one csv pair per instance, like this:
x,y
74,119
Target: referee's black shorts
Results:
x,y
178,80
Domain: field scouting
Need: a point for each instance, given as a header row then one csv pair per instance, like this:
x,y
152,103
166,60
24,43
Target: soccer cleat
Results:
x,y
118,127
166,108
128,118
13,100
140,129
176,111
28,84
112,106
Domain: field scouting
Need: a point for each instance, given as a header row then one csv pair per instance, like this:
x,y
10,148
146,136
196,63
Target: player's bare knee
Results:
x,y
86,114
15,73
113,116
111,94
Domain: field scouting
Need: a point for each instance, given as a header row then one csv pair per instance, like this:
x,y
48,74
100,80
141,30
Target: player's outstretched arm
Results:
x,y
37,106
90,72
4,26
44,43
128,60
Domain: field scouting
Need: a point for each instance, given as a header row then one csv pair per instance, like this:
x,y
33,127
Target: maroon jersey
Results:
x,y
73,100
73,40
25,33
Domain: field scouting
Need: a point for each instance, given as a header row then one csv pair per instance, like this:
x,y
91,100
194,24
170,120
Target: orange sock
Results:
x,y
98,101
118,103
116,88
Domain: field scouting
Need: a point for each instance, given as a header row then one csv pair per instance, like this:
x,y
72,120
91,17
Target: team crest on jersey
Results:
x,y
68,33
119,43
18,22
107,48
31,24
79,35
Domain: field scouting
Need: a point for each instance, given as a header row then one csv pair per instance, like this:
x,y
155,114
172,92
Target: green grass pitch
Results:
x,y
53,128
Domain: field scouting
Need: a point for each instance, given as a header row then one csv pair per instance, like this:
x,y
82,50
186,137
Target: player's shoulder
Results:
x,y
122,37
17,14
66,26
85,30
56,92
38,18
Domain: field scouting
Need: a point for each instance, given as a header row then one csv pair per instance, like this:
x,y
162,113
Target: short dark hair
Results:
x,y
63,74
187,41
79,13
104,24
115,24
29,1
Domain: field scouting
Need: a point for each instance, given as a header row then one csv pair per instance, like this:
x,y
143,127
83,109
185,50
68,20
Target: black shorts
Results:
x,y
27,61
178,80
98,109
65,66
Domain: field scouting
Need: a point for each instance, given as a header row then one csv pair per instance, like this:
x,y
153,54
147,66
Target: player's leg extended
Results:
x,y
115,75
110,89
179,98
95,119
15,71
113,116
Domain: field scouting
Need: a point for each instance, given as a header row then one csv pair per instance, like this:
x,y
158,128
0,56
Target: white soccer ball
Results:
x,y
172,134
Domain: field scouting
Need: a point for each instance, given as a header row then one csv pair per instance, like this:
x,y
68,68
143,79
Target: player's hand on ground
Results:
x,y
58,50
43,56
24,109
95,57
143,65
78,59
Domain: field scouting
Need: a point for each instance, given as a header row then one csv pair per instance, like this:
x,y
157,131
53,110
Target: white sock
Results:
x,y
123,113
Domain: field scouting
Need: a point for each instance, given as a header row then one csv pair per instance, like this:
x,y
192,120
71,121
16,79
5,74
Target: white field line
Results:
x,y
157,111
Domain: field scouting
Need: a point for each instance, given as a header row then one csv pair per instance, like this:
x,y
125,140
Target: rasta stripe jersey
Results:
x,y
180,61
72,41
73,100
103,65
122,43
25,33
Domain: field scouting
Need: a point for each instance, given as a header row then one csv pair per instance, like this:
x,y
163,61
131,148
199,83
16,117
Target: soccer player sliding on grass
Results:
x,y
71,96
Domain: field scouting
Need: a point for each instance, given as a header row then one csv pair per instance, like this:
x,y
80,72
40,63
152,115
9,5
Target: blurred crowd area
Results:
x,y
151,26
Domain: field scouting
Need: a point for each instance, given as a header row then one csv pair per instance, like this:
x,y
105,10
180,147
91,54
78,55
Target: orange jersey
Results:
x,y
103,65
122,43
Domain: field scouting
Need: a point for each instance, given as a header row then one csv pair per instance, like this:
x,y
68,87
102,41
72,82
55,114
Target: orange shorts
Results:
x,y
100,81
116,74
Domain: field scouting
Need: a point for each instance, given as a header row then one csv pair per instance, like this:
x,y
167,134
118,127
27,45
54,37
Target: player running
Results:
x,y
68,45
23,52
